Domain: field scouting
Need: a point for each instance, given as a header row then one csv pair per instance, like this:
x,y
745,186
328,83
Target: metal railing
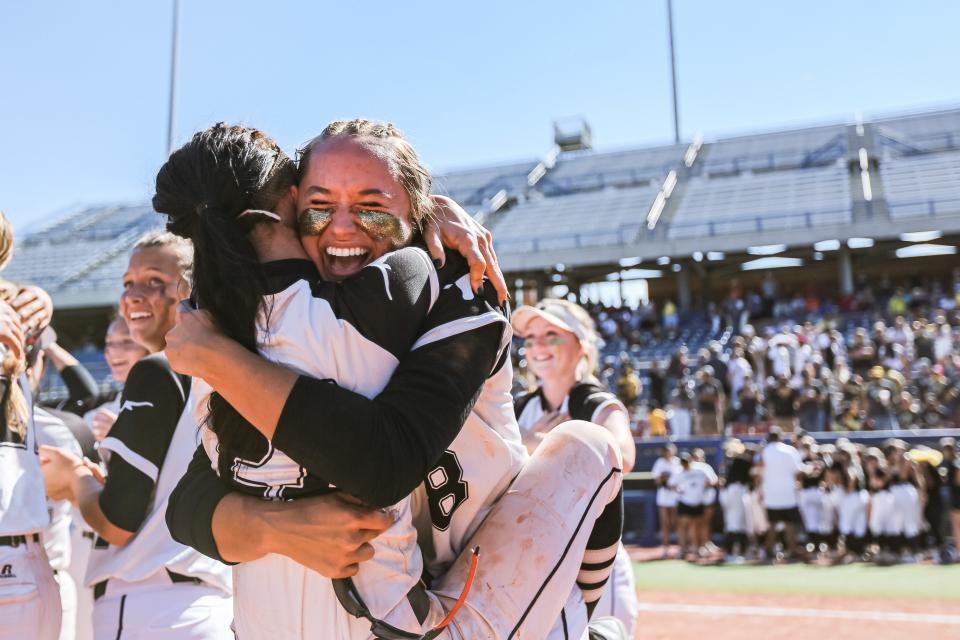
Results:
x,y
759,223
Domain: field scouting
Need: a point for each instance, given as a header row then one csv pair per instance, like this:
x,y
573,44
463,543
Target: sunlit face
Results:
x,y
120,350
552,352
350,208
152,286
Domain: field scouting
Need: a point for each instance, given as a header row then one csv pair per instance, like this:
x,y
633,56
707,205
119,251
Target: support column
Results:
x,y
845,266
683,290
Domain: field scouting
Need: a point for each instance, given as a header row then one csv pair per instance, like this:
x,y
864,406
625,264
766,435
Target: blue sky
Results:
x,y
84,84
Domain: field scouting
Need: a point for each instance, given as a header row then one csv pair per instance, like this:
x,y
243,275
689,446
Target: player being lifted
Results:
x,y
385,427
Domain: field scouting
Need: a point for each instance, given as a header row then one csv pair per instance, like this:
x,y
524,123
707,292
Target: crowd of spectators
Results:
x,y
887,357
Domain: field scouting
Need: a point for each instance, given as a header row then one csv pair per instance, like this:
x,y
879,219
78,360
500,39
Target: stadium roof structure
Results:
x,y
875,179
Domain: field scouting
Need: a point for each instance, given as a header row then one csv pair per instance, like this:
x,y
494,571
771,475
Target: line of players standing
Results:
x,y
825,503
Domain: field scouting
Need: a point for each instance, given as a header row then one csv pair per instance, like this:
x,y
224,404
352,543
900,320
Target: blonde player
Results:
x,y
29,596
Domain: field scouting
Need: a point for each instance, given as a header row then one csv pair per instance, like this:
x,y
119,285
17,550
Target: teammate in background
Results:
x,y
51,431
781,467
145,584
355,170
735,500
82,390
561,350
705,526
665,466
691,484
852,508
121,352
949,470
811,498
29,595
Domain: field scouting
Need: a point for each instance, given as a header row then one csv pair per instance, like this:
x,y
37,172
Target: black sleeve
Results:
x,y
387,300
586,398
192,503
81,388
380,449
152,400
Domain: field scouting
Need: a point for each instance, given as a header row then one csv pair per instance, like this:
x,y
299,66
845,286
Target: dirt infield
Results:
x,y
740,616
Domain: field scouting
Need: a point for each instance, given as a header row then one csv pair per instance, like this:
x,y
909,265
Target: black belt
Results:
x,y
100,588
16,541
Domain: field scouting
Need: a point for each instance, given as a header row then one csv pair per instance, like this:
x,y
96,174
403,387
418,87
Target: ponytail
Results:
x,y
229,283
207,189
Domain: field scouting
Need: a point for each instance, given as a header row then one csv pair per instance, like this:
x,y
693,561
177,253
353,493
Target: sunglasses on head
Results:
x,y
353,604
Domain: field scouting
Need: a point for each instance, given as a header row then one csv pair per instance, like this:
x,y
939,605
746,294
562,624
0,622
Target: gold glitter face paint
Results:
x,y
312,222
381,225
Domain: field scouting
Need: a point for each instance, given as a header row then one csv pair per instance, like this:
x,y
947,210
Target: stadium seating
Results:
x,y
594,218
581,171
472,187
782,150
922,185
751,202
922,132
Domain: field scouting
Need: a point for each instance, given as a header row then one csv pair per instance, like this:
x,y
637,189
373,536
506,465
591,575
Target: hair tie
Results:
x,y
259,213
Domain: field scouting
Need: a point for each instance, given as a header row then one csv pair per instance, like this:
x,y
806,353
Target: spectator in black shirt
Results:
x,y
862,353
881,393
751,401
782,400
710,403
810,414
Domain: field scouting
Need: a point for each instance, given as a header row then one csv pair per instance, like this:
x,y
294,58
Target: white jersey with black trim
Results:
x,y
349,334
486,455
587,400
23,507
151,550
51,431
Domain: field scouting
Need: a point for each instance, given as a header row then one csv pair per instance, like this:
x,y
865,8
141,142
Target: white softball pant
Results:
x,y
29,595
158,609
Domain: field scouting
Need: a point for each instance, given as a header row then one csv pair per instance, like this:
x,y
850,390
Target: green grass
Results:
x,y
902,581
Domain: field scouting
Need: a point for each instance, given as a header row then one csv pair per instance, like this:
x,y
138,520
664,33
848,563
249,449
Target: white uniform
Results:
x,y
153,587
277,598
56,538
852,511
619,597
29,595
666,496
882,519
907,512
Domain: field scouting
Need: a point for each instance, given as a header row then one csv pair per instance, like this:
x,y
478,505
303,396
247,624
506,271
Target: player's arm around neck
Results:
x,y
253,385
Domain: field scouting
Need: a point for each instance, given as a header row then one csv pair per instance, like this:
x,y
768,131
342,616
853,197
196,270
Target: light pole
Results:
x,y
174,45
673,74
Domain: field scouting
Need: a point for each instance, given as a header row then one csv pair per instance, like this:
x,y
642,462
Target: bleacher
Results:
x,y
738,187
751,202
68,251
922,185
919,133
587,170
597,218
471,187
775,151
